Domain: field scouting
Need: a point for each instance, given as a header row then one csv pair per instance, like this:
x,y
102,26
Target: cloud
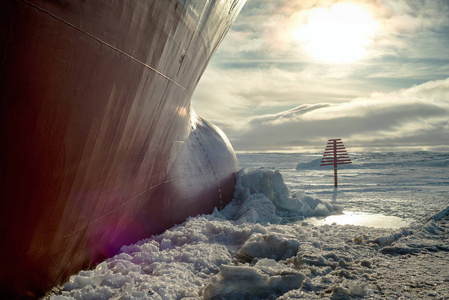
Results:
x,y
266,28
266,93
228,94
418,116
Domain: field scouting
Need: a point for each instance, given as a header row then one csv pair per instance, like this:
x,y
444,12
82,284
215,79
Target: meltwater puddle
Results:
x,y
361,219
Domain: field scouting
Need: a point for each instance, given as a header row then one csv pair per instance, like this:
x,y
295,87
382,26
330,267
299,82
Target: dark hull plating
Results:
x,y
99,145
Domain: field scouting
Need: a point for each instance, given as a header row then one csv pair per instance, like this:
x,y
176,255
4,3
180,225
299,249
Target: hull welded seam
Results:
x,y
209,162
106,44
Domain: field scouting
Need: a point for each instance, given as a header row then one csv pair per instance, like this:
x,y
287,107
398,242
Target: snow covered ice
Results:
x,y
272,241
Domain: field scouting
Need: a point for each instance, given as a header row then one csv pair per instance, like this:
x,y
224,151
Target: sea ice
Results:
x,y
264,246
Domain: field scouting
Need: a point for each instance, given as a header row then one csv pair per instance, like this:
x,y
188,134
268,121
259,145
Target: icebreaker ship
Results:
x,y
99,144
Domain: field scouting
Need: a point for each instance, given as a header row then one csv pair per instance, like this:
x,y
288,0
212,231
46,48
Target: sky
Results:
x,y
292,74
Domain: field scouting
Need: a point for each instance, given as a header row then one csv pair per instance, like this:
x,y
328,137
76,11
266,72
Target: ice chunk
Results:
x,y
255,187
433,228
269,246
257,208
261,280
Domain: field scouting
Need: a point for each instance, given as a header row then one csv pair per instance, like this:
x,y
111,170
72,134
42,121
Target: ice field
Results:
x,y
383,234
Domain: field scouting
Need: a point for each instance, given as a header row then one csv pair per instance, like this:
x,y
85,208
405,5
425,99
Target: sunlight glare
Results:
x,y
337,34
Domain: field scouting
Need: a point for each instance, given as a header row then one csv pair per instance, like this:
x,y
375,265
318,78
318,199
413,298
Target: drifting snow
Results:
x,y
262,247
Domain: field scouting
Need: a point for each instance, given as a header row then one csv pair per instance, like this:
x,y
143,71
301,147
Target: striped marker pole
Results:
x,y
335,154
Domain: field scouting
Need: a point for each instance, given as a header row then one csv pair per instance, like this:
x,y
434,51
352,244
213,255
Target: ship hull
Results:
x,y
99,144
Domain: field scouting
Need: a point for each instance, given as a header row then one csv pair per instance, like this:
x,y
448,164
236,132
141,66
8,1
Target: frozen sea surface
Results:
x,y
280,237
409,185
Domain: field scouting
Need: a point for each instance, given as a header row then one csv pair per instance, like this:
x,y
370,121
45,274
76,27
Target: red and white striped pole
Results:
x,y
335,154
335,164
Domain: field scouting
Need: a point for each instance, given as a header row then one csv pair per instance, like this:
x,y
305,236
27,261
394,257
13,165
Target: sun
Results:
x,y
337,34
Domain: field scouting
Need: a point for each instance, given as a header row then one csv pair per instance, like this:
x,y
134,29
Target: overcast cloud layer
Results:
x,y
268,93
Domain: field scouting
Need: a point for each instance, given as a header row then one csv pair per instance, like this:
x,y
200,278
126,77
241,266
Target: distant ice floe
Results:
x,y
384,160
315,165
261,246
